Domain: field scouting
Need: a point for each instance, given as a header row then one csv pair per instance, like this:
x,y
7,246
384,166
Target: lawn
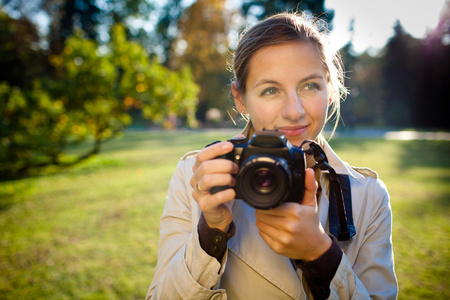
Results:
x,y
91,232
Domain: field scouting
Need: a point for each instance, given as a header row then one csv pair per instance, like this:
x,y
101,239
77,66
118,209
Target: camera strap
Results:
x,y
340,206
333,214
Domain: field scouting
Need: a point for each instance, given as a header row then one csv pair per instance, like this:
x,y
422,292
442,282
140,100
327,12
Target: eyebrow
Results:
x,y
270,81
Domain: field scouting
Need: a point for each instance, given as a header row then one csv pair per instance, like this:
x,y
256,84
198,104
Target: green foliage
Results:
x,y
91,98
86,88
145,83
33,129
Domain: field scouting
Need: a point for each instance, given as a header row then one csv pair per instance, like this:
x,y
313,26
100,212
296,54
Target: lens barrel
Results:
x,y
264,181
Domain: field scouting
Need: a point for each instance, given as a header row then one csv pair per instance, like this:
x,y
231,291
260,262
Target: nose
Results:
x,y
292,107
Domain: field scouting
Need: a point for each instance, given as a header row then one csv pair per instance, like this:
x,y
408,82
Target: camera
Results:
x,y
271,170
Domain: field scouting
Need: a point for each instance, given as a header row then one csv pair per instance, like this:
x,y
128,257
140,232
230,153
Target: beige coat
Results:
x,y
250,269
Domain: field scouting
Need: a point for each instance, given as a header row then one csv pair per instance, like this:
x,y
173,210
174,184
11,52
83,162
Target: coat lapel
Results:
x,y
248,245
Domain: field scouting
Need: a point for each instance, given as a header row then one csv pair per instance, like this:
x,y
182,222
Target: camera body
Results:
x,y
271,170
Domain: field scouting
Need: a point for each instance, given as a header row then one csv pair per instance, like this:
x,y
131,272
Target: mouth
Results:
x,y
293,130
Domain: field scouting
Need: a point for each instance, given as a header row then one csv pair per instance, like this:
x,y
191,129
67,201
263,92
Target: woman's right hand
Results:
x,y
210,172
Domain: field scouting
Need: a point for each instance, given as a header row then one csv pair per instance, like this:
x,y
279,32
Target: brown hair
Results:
x,y
288,27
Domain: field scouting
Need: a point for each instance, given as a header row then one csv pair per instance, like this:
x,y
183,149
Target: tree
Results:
x,y
432,108
263,8
20,57
203,44
166,28
95,88
363,105
93,17
399,75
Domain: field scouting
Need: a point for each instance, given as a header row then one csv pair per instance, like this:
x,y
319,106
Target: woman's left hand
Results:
x,y
293,229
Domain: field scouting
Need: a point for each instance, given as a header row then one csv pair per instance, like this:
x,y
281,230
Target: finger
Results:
x,y
267,238
212,152
282,211
240,136
217,166
266,217
200,190
209,181
270,224
214,166
309,198
210,202
274,239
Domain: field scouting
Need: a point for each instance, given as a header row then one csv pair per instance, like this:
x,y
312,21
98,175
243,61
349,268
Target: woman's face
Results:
x,y
286,90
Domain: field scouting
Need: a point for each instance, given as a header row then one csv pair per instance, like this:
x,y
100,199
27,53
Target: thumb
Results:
x,y
309,198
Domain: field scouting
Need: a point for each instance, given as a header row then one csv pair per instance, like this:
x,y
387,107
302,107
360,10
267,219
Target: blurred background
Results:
x,y
100,98
77,69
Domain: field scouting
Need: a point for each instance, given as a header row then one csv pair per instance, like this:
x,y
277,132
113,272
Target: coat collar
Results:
x,y
338,165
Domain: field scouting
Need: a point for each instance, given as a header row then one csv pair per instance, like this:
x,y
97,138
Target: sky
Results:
x,y
374,20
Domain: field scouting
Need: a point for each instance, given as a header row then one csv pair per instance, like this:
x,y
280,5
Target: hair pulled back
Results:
x,y
289,27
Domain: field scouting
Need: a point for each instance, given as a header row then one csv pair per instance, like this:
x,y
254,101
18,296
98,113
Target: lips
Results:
x,y
293,130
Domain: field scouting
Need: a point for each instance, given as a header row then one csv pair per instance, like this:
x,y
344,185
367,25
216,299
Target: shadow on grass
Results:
x,y
433,155
413,159
425,154
411,153
12,192
5,203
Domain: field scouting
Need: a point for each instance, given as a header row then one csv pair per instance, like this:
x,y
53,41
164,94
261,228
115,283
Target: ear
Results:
x,y
330,101
238,98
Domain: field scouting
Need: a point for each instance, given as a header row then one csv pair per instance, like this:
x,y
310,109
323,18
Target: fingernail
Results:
x,y
227,146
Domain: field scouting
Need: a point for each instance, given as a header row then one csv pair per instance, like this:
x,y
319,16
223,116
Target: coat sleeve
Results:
x,y
184,270
369,273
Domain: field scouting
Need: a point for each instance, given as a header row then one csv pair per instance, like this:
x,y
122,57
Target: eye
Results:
x,y
310,86
269,91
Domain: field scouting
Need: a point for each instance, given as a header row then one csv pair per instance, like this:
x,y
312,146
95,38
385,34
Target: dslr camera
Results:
x,y
271,170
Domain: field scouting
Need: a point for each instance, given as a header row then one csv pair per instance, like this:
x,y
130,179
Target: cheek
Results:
x,y
263,115
317,110
322,113
322,104
323,110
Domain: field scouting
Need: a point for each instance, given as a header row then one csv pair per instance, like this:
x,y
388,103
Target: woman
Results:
x,y
213,247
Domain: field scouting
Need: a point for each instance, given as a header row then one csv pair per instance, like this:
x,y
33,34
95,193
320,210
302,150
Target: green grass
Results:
x,y
417,174
91,232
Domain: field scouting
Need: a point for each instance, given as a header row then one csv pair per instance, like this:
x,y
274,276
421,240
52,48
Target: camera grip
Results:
x,y
216,189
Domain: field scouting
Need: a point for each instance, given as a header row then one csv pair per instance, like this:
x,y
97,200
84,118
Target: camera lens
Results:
x,y
264,181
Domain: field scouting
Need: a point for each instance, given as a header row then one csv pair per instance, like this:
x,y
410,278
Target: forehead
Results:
x,y
285,60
